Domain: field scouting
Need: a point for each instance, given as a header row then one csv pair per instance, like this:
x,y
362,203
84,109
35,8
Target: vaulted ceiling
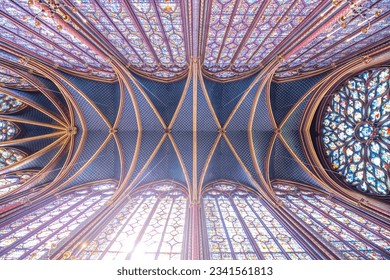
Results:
x,y
193,91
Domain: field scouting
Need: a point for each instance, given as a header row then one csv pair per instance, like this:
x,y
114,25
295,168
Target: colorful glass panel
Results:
x,y
38,233
336,43
348,232
9,156
63,48
12,181
239,39
149,34
9,78
356,131
239,226
150,226
9,105
8,130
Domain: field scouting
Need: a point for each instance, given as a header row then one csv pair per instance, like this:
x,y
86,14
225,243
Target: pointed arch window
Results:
x,y
9,156
9,130
150,225
240,226
356,131
13,180
9,78
38,231
353,234
10,105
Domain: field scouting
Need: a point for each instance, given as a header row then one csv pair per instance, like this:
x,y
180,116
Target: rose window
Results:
x,y
356,131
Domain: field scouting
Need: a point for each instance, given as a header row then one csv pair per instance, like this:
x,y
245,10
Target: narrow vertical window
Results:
x,y
11,181
353,234
10,105
149,226
240,226
356,132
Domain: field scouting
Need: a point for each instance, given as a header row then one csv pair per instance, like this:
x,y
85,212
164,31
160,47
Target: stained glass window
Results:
x,y
149,226
63,48
334,43
9,130
38,233
352,234
9,78
9,105
240,226
149,34
11,181
242,33
356,131
10,156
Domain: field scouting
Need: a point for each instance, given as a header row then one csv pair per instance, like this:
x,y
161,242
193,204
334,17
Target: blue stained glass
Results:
x,y
356,131
9,105
149,226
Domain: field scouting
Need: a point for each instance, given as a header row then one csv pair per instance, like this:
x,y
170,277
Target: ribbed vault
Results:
x,y
128,93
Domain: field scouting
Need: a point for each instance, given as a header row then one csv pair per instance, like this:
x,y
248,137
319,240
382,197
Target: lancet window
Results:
x,y
150,225
353,234
38,231
239,225
356,131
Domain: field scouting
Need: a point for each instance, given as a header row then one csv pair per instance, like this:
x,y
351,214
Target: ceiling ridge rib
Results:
x,y
266,82
207,164
194,186
70,84
207,97
182,164
121,191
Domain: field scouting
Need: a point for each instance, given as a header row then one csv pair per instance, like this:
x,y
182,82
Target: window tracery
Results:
x,y
36,234
9,78
45,42
351,233
149,34
238,43
356,131
11,181
9,104
239,226
149,226
9,130
9,156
